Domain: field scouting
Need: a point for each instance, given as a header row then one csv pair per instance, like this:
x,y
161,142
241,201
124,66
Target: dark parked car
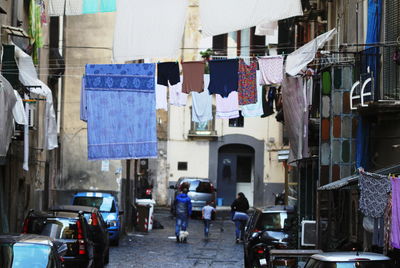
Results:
x,y
270,228
98,229
70,228
349,259
200,192
30,250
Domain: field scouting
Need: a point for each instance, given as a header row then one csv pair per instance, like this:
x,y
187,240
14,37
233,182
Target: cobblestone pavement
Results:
x,y
159,248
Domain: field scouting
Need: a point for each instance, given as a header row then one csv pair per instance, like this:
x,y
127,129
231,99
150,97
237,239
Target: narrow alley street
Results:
x,y
159,248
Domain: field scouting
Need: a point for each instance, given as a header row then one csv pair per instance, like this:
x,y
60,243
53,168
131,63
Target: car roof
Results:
x,y
72,208
72,215
93,194
278,208
349,256
26,238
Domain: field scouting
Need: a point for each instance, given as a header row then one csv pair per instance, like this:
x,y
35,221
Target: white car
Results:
x,y
350,259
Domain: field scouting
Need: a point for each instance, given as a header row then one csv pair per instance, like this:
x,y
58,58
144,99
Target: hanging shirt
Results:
x,y
176,96
224,76
202,104
19,110
247,88
193,76
227,108
148,29
374,189
271,69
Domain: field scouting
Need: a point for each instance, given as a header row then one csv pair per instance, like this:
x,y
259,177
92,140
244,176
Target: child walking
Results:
x,y
207,211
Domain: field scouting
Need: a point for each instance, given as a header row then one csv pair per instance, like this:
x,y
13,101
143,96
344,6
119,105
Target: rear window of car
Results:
x,y
104,204
276,221
55,228
199,186
357,264
24,255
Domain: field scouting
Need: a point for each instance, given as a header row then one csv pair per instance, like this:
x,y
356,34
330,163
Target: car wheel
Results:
x,y
107,257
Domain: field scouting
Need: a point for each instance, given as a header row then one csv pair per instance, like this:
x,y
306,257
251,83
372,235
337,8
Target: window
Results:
x,y
104,204
237,122
182,165
203,128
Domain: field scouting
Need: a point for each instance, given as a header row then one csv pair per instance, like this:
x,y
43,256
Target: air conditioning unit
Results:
x,y
308,233
31,116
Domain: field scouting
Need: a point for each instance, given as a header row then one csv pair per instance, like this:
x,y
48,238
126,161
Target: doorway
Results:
x,y
235,172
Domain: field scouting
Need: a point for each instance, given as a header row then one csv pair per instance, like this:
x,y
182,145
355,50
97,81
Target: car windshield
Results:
x,y
23,255
199,186
357,264
55,228
276,221
104,204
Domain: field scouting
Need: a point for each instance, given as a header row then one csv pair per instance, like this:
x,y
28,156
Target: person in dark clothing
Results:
x,y
183,209
239,209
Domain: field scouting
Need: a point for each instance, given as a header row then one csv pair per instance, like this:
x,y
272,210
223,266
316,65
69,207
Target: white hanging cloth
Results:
x,y
224,16
299,59
65,7
28,77
19,110
148,29
267,28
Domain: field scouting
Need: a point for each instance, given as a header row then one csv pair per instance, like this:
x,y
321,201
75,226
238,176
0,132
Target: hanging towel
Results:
x,y
7,102
374,192
299,59
28,77
19,110
267,28
176,96
225,16
202,104
224,76
395,228
228,108
271,69
255,109
193,76
161,97
148,29
247,88
79,7
121,111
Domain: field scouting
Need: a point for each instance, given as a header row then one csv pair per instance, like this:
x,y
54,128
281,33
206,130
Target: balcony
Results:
x,y
203,130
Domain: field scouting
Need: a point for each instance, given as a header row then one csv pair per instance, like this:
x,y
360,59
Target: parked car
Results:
x,y
70,228
30,250
200,192
107,204
98,229
349,259
270,228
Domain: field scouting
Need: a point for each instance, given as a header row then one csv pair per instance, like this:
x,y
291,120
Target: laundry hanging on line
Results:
x,y
79,7
114,93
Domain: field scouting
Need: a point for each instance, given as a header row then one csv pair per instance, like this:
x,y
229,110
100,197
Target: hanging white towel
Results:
x,y
28,77
299,59
65,7
161,97
176,96
19,111
148,29
228,108
224,16
267,28
202,103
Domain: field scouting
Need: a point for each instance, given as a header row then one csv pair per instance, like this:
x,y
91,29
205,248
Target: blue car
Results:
x,y
108,207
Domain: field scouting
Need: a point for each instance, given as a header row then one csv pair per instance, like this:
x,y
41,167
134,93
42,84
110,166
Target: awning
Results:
x,y
351,180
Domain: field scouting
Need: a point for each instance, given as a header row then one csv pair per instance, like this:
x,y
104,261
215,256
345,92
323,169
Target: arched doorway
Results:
x,y
235,172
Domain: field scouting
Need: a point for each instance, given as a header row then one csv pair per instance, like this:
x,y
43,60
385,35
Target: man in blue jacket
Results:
x,y
183,208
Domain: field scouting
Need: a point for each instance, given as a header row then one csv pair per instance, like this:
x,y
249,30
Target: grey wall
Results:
x,y
257,145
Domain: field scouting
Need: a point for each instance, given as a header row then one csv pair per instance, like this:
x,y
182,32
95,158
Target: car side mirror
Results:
x,y
172,187
121,213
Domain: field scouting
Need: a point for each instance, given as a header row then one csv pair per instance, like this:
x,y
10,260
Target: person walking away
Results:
x,y
183,208
239,209
206,213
